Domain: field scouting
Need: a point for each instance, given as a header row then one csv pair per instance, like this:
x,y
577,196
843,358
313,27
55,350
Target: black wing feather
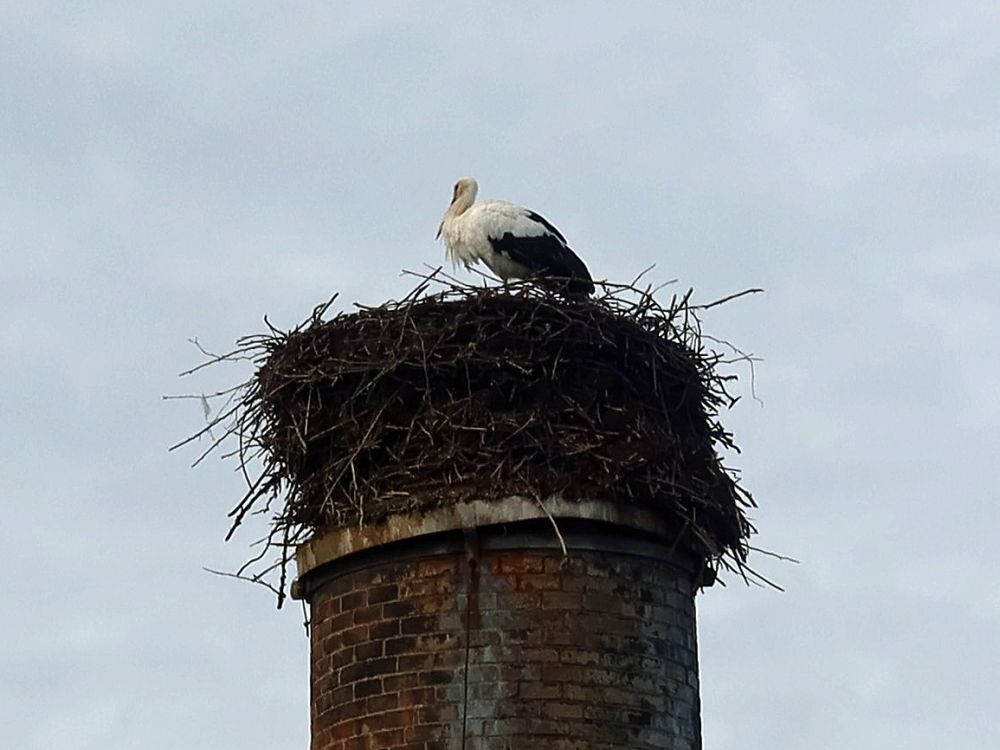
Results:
x,y
546,255
545,223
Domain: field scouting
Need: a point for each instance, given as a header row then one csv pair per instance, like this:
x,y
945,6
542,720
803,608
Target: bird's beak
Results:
x,y
440,227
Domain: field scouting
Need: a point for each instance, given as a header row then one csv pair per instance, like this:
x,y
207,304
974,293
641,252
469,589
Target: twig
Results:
x,y
727,299
555,526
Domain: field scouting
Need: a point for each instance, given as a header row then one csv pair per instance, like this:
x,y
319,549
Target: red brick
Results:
x,y
430,605
353,600
402,645
415,662
416,696
385,629
533,582
437,714
353,710
368,650
355,635
430,733
365,688
343,694
438,566
425,587
389,720
522,563
384,593
386,739
342,621
571,565
399,682
417,625
437,677
344,729
370,613
343,657
592,651
435,641
366,669
451,659
398,609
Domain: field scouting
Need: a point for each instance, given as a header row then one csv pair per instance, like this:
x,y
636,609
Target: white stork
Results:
x,y
513,242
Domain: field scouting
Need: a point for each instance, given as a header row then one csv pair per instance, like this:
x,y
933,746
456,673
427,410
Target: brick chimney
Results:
x,y
471,627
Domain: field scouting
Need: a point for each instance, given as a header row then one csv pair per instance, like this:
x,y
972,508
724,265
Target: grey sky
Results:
x,y
170,171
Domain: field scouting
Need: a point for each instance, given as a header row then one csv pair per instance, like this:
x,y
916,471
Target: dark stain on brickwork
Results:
x,y
596,650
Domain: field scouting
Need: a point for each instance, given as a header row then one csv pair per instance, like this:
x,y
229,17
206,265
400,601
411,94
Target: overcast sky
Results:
x,y
170,171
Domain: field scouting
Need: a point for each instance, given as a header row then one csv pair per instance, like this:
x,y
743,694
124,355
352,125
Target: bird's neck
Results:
x,y
459,206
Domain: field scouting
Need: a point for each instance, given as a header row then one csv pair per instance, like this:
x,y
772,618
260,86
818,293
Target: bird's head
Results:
x,y
463,195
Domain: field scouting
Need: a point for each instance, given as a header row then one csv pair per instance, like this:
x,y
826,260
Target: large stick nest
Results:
x,y
489,392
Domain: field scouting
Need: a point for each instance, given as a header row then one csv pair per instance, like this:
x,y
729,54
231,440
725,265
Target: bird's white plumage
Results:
x,y
467,236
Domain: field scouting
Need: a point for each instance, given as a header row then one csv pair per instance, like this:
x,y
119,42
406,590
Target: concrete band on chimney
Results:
x,y
469,627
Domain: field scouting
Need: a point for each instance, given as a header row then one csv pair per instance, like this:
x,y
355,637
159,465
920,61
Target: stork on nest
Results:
x,y
511,241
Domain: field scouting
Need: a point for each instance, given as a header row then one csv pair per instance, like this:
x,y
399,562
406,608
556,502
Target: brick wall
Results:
x,y
519,649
